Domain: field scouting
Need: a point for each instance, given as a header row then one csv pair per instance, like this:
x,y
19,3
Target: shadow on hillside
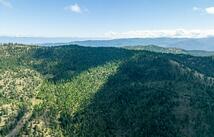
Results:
x,y
128,105
148,97
62,63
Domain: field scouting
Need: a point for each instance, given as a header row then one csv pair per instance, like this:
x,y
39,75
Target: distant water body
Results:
x,y
40,40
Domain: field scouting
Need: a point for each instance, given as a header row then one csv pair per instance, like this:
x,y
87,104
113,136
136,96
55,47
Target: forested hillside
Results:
x,y
74,91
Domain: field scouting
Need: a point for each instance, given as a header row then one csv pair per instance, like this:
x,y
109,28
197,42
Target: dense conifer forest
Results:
x,y
75,91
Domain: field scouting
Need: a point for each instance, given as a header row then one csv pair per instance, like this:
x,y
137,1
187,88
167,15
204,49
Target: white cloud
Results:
x,y
6,3
177,33
196,8
74,8
210,10
199,10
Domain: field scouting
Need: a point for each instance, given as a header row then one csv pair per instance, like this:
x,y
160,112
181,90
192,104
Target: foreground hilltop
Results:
x,y
81,91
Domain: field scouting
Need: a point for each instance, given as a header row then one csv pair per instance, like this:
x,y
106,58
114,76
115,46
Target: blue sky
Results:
x,y
106,18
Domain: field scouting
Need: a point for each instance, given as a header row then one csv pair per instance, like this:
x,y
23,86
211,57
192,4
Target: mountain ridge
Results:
x,y
154,48
183,43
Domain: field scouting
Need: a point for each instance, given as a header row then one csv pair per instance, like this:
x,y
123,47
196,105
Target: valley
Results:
x,y
104,91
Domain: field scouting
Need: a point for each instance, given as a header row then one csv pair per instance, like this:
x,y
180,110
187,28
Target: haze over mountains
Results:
x,y
183,43
39,40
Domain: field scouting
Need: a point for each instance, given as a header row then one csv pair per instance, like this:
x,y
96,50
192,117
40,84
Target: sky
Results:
x,y
107,18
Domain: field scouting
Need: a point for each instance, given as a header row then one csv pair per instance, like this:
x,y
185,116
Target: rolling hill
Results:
x,y
158,49
105,92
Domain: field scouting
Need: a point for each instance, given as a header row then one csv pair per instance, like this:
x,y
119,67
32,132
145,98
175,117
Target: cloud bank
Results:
x,y
178,33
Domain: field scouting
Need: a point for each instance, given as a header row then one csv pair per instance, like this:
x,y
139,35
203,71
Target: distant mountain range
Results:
x,y
183,43
158,49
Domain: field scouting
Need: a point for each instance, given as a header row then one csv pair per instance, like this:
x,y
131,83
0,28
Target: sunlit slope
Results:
x,y
66,99
18,87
